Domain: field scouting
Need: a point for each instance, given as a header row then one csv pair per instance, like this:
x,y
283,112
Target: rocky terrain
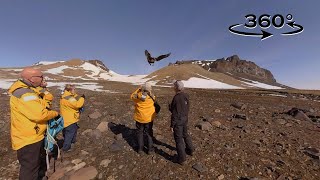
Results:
x,y
238,134
235,67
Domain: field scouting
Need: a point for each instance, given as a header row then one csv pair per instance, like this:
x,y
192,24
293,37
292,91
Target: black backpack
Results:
x,y
156,105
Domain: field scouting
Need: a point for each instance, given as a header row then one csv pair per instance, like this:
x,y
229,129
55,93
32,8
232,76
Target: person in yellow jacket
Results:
x,y
143,115
70,105
45,94
29,117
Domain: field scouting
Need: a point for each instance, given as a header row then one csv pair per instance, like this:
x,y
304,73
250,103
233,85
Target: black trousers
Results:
x,y
32,161
144,128
183,141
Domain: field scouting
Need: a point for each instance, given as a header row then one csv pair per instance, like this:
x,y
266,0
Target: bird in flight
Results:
x,y
151,60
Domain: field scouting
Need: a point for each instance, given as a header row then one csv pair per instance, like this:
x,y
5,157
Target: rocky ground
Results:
x,y
238,135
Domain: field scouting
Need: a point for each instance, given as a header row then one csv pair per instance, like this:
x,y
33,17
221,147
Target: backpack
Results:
x,y
54,126
156,105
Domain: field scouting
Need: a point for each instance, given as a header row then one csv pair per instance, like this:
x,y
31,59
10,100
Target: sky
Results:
x,y
118,31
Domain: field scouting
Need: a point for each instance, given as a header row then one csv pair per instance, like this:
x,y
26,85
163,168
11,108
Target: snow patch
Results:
x,y
57,70
261,85
47,62
277,95
85,85
6,83
18,70
203,76
90,67
113,73
207,84
133,79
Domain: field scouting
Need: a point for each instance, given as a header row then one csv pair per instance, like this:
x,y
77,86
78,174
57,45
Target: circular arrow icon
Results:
x,y
263,34
265,21
293,25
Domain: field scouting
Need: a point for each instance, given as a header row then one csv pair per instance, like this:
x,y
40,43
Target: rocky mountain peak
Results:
x,y
235,67
99,64
233,59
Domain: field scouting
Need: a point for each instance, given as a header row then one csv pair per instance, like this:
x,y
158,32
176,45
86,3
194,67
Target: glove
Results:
x,y
144,96
135,96
83,96
58,117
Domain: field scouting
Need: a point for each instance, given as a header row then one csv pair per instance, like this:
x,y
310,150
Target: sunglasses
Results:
x,y
39,76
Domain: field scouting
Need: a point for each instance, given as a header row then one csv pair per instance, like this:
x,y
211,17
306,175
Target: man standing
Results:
x,y
179,108
29,117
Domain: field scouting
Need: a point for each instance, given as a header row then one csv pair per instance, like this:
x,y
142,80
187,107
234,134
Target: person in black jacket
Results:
x,y
179,108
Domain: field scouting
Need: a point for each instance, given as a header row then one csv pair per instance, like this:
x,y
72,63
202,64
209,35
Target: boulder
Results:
x,y
240,116
200,168
105,163
103,126
95,115
240,106
301,116
96,134
204,126
87,131
216,124
85,174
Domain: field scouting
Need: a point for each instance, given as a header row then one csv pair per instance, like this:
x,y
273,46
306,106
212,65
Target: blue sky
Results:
x,y
117,32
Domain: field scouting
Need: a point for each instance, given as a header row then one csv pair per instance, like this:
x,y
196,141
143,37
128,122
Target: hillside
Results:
x,y
237,68
193,73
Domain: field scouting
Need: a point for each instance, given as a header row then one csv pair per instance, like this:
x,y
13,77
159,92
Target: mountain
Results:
x,y
74,69
235,67
195,76
231,73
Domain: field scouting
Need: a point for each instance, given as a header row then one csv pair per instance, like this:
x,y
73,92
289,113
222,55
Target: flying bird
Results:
x,y
151,60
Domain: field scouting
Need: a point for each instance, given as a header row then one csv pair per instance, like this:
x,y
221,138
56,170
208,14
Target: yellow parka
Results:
x,y
45,94
144,110
29,115
69,107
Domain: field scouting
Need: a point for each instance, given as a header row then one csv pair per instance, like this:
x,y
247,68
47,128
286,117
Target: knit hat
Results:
x,y
178,85
147,86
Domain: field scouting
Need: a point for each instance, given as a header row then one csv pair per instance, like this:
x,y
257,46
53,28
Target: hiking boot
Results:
x,y
150,152
140,152
182,163
178,161
66,151
189,152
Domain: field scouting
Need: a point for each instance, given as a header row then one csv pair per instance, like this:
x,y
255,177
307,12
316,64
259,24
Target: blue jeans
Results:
x,y
69,135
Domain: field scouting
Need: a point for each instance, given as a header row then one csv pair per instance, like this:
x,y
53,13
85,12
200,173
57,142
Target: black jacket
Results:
x,y
179,109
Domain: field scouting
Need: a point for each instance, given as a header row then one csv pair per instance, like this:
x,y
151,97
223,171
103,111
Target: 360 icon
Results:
x,y
265,21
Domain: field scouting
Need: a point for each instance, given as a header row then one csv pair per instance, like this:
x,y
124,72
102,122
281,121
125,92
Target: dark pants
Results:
x,y
144,128
183,142
32,161
69,135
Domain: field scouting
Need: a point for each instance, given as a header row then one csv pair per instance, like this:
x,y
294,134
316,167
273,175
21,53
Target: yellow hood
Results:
x,y
17,85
